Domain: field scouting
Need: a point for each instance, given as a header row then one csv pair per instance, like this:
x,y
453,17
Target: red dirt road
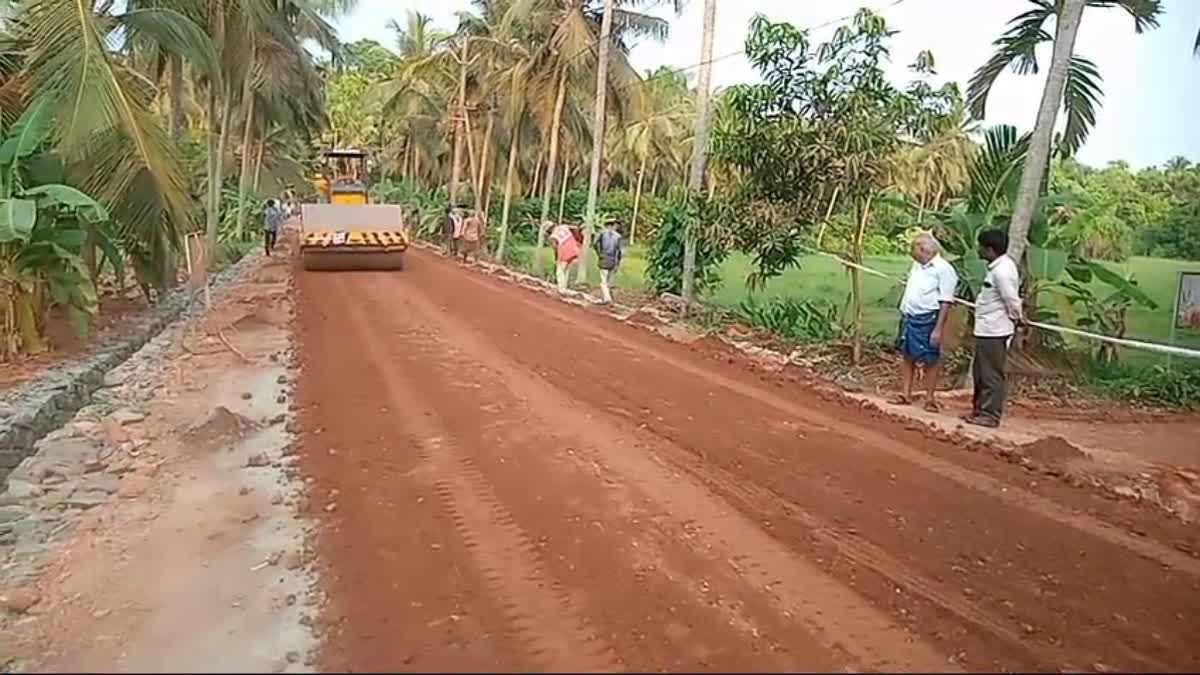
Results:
x,y
506,482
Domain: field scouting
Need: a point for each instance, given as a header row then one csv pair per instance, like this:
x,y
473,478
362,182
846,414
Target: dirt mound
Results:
x,y
223,425
1051,449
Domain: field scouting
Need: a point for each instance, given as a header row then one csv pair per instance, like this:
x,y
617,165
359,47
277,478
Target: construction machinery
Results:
x,y
346,232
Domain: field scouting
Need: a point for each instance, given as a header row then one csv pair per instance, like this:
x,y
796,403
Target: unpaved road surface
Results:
x,y
507,482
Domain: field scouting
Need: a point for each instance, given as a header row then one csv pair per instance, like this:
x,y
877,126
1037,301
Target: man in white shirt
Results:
x,y
924,312
997,314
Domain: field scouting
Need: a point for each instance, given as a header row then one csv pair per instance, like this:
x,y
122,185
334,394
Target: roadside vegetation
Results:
x,y
825,153
127,125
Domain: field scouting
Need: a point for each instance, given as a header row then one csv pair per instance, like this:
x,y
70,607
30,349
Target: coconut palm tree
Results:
x,y
568,60
1082,91
1073,82
104,126
281,72
659,129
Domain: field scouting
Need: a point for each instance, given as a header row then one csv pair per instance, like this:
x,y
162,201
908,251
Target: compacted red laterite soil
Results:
x,y
507,482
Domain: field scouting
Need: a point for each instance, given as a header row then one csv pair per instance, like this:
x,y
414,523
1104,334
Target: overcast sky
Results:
x,y
1150,109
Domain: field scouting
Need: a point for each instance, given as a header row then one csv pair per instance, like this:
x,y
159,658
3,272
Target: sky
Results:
x,y
1151,84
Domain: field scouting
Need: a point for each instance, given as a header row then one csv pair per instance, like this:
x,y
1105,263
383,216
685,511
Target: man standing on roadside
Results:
x,y
472,233
997,314
271,221
924,314
449,227
608,253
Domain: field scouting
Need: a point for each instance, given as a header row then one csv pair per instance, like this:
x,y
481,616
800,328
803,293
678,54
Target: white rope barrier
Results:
x,y
1124,342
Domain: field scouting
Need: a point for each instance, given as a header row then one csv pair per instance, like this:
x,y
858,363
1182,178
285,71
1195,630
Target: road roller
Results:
x,y
346,231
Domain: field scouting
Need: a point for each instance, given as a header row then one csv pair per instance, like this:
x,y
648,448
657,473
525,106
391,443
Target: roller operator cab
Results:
x,y
347,232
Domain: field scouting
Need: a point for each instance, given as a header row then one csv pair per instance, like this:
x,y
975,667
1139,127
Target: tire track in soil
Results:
x,y
817,420
699,636
537,610
842,622
1142,627
388,568
764,570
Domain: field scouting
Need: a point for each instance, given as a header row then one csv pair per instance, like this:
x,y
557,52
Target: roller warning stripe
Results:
x,y
384,238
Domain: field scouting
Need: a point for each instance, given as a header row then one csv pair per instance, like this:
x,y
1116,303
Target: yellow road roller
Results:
x,y
347,232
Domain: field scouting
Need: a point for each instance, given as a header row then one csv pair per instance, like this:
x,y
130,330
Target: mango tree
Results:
x,y
820,134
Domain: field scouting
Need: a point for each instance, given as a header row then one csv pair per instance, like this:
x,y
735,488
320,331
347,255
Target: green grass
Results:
x,y
821,277
824,278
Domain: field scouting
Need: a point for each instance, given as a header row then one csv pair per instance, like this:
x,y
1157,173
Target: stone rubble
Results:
x,y
73,438
34,409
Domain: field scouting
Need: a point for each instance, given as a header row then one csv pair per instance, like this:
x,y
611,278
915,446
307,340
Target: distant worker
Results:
x,y
566,251
460,220
924,312
608,253
449,226
998,312
472,233
272,218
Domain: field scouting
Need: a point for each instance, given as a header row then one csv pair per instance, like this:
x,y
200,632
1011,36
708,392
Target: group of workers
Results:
x,y
925,312
925,307
463,232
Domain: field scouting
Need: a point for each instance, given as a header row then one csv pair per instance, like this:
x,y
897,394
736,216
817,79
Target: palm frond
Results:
x,y
1145,13
1081,97
1015,48
996,168
173,32
637,24
104,117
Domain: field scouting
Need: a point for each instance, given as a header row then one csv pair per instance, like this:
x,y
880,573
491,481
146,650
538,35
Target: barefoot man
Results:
x,y
924,312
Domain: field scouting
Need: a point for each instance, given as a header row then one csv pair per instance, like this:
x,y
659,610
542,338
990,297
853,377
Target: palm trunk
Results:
x,y
258,162
177,112
562,196
654,184
1069,16
472,165
699,151
212,217
219,171
537,176
637,200
89,251
460,113
864,214
215,89
509,181
484,158
247,139
548,178
589,220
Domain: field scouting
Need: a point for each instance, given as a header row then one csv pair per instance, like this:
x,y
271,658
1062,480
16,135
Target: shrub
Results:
x,y
1177,387
801,319
665,263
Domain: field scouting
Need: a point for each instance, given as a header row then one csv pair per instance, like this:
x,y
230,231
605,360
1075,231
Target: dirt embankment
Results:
x,y
507,482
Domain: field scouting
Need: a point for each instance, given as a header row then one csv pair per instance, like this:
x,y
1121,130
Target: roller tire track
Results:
x,y
539,611
1014,496
828,610
1036,650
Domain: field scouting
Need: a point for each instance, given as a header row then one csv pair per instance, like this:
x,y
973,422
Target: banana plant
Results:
x,y
43,232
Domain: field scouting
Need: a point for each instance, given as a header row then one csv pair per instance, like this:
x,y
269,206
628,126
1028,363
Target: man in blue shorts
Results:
x,y
924,314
